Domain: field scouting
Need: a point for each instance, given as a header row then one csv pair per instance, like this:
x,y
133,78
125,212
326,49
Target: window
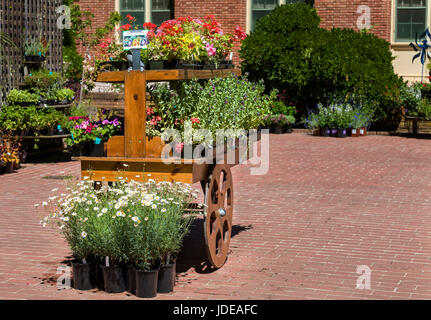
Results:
x,y
155,11
161,10
411,17
260,8
135,8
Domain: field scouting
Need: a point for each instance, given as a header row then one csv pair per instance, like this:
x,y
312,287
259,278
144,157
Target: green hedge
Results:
x,y
289,51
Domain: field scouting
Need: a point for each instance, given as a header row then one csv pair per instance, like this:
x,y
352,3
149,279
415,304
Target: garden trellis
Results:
x,y
27,19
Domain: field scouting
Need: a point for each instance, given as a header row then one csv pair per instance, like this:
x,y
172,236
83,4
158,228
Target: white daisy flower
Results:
x,y
135,219
154,206
44,204
104,210
83,234
163,210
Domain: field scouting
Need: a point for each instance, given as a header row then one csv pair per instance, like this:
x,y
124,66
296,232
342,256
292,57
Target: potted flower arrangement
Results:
x,y
9,157
190,43
129,226
88,137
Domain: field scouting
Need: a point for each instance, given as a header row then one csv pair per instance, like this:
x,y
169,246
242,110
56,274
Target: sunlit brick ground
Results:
x,y
326,206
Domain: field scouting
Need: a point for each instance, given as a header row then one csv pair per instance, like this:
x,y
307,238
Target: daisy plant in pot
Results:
x,y
130,229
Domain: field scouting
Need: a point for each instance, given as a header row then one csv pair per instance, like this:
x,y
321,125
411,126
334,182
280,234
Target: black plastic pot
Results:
x,y
114,279
166,278
341,133
131,280
100,282
156,64
84,276
80,149
96,150
326,132
9,166
146,283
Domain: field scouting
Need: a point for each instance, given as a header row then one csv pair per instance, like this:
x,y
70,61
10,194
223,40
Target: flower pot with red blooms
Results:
x,y
84,275
146,283
362,132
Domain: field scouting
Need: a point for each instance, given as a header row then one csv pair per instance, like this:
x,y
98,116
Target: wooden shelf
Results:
x,y
38,137
169,75
124,159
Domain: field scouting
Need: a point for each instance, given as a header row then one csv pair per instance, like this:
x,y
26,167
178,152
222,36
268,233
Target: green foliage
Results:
x,y
279,120
290,52
43,80
29,120
22,97
65,94
230,103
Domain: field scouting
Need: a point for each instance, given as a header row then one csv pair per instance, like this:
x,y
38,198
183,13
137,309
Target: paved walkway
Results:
x,y
325,207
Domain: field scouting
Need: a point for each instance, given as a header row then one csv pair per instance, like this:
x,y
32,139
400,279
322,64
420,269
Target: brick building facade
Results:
x,y
388,18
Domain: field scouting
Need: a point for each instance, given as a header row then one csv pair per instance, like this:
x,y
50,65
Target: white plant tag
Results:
x,y
107,261
231,56
84,261
361,131
353,131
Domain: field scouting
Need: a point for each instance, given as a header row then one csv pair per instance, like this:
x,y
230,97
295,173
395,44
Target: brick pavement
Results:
x,y
326,206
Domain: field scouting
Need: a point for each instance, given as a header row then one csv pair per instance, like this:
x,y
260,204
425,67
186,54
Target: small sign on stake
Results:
x,y
135,39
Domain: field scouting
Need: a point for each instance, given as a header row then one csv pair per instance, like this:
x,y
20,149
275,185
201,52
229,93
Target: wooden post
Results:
x,y
135,86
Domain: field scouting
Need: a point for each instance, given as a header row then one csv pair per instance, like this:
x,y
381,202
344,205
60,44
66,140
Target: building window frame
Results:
x,y
148,9
249,10
395,39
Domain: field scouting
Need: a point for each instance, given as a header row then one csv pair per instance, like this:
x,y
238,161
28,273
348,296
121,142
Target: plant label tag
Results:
x,y
361,131
135,39
45,105
353,131
107,261
231,56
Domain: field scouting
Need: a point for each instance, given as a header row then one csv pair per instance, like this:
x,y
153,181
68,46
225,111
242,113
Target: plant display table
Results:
x,y
138,157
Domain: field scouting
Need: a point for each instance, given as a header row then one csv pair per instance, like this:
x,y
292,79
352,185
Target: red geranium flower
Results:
x,y
150,26
130,18
126,27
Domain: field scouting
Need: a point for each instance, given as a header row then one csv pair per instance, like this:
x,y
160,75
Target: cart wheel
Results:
x,y
218,214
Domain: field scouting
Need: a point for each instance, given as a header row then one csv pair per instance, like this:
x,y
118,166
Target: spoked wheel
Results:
x,y
218,214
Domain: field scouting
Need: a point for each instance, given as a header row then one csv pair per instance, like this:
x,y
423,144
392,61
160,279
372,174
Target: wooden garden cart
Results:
x,y
141,155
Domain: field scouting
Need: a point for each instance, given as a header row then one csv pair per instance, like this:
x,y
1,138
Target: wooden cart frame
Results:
x,y
141,155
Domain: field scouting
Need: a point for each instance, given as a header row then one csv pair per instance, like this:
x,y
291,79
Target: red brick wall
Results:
x,y
101,10
342,14
230,13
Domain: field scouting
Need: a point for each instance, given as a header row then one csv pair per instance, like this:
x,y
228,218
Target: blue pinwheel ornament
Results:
x,y
422,49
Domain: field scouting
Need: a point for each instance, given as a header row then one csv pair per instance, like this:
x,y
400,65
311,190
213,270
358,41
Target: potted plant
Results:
x,y
9,156
36,50
87,137
22,98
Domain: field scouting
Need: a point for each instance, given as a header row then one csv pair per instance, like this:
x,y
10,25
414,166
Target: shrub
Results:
x,y
290,52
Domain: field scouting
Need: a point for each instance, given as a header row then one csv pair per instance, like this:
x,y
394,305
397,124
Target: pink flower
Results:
x,y
211,50
195,120
179,147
